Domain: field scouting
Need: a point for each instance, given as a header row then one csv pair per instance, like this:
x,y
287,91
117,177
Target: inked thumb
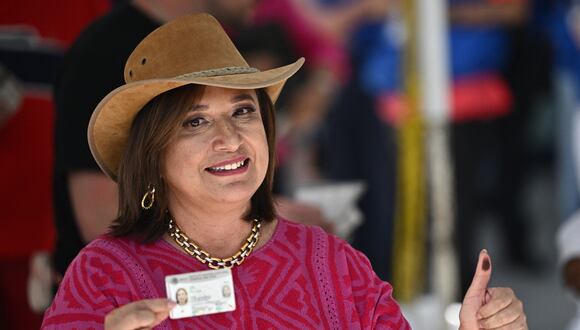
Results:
x,y
481,278
477,293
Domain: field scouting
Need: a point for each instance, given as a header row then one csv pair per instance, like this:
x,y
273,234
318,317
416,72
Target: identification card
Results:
x,y
201,293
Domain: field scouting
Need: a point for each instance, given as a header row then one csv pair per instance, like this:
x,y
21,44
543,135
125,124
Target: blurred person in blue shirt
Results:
x,y
482,135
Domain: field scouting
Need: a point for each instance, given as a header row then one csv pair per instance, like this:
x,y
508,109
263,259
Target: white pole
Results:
x,y
434,59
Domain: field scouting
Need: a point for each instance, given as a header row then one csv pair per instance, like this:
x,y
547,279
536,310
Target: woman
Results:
x,y
190,141
181,296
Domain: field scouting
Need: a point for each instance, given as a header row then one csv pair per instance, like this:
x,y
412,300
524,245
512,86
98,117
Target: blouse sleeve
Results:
x,y
95,283
373,300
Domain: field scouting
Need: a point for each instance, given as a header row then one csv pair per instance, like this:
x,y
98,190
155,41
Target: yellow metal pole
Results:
x,y
411,212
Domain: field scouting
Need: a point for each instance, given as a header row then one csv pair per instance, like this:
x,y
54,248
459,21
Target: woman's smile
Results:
x,y
235,166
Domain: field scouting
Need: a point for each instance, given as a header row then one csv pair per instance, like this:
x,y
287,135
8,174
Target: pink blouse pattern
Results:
x,y
302,278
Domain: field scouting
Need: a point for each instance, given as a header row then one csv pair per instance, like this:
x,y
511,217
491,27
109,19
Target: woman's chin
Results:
x,y
234,196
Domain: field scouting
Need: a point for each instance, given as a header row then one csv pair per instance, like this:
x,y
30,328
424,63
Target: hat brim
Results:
x,y
111,121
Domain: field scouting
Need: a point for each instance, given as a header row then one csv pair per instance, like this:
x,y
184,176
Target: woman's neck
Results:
x,y
220,231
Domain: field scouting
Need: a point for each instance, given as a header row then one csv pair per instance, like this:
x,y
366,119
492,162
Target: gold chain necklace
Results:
x,y
215,263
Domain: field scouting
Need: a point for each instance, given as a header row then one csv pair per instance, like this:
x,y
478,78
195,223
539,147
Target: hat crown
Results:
x,y
189,44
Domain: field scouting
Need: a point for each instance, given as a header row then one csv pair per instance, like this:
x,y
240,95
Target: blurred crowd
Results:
x,y
515,107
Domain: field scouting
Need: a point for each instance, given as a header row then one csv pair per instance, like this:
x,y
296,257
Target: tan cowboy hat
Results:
x,y
193,49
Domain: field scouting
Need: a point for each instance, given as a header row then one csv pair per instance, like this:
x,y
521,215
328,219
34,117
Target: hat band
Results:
x,y
218,72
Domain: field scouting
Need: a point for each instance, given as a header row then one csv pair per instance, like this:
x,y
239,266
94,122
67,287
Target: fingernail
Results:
x,y
484,251
485,265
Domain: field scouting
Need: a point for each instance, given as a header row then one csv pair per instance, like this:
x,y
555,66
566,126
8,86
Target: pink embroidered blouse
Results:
x,y
302,278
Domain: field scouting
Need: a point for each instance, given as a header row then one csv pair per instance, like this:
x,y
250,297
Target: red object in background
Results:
x,y
482,96
474,97
26,157
61,20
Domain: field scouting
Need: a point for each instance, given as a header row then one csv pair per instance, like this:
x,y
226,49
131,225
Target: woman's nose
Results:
x,y
227,136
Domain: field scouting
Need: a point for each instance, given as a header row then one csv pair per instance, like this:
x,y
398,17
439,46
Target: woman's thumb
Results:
x,y
481,278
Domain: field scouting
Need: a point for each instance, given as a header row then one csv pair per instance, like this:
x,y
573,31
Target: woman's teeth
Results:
x,y
229,167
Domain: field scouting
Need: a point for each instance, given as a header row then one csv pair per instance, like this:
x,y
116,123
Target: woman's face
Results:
x,y
181,297
220,154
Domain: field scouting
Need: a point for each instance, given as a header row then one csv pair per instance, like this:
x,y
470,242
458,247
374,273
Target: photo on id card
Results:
x,y
201,293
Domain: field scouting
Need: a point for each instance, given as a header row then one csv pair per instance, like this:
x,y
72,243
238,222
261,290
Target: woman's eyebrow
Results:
x,y
198,107
242,97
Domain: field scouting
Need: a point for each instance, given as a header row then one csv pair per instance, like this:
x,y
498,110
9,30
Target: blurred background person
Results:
x,y
489,113
33,38
356,145
485,134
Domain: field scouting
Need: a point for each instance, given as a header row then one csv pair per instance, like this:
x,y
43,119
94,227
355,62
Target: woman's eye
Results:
x,y
244,111
193,122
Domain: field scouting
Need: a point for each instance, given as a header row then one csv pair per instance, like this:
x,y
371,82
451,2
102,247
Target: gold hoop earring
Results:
x,y
149,196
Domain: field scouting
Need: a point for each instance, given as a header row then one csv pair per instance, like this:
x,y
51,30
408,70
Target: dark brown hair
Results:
x,y
153,129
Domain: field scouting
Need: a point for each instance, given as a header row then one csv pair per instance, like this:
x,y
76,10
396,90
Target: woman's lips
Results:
x,y
231,167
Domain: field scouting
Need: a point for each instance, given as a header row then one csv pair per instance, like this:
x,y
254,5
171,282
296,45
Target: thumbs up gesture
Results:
x,y
490,308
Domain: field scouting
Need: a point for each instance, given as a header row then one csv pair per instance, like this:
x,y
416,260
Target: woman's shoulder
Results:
x,y
113,263
314,237
107,273
292,231
104,254
111,254
108,245
126,244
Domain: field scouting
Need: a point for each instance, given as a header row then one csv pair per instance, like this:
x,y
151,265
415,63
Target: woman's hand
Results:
x,y
493,308
142,314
